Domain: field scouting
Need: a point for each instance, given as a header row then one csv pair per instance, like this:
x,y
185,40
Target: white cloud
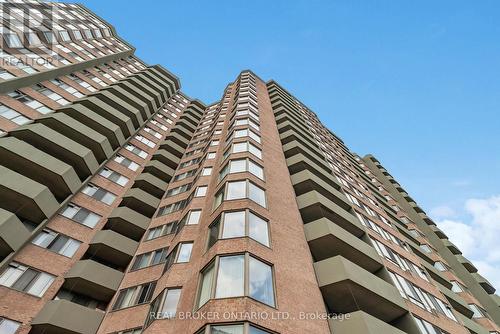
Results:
x,y
479,237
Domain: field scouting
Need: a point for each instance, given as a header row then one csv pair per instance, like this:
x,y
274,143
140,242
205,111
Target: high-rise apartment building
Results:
x,y
128,207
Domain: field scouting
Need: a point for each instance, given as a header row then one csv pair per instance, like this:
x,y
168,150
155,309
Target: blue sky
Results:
x,y
416,83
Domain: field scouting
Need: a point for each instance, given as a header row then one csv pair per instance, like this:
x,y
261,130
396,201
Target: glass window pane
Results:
x,y
261,281
257,195
240,147
258,229
206,285
8,326
234,224
194,217
41,284
236,190
170,304
229,329
184,253
238,166
230,277
255,330
70,248
256,170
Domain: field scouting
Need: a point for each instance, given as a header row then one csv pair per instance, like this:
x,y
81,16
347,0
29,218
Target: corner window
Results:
x,y
235,276
164,306
239,190
242,165
180,254
236,224
135,295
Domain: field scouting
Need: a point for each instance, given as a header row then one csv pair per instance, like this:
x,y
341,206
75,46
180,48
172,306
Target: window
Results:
x,y
245,133
29,101
456,287
427,328
165,305
211,155
137,330
180,254
206,171
159,231
81,215
242,165
244,147
13,115
56,242
245,121
113,176
137,151
13,41
201,191
149,259
8,326
135,295
99,194
440,266
237,275
238,190
191,218
234,224
23,278
126,162
145,141
478,312
426,248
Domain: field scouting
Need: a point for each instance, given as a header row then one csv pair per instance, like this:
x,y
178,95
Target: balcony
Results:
x,y
93,102
485,284
12,233
112,247
127,222
140,201
327,239
59,146
167,158
451,246
473,326
39,166
466,263
313,206
456,301
347,287
360,322
438,232
80,133
65,317
151,184
97,122
93,279
25,197
159,170
306,181
437,275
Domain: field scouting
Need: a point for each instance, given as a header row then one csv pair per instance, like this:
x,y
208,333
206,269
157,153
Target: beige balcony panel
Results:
x,y
24,197
39,166
347,287
12,233
93,279
112,247
59,146
327,239
360,322
128,222
65,317
313,206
